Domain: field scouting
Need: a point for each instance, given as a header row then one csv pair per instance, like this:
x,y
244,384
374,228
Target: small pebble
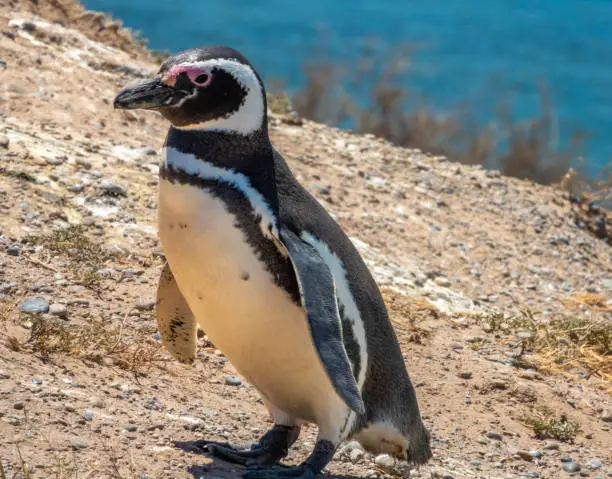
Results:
x,y
59,310
495,436
4,374
19,406
534,453
232,380
525,455
110,188
131,428
34,305
571,467
385,461
356,454
77,443
37,381
145,305
465,374
88,415
13,250
76,188
606,415
594,464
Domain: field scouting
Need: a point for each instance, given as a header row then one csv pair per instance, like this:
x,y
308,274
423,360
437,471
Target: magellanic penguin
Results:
x,y
263,269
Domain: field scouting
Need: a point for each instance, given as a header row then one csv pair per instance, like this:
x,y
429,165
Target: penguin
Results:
x,y
257,262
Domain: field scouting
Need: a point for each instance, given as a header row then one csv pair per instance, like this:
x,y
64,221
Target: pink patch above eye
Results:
x,y
198,76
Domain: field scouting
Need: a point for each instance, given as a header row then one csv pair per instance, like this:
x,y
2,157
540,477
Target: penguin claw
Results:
x,y
279,471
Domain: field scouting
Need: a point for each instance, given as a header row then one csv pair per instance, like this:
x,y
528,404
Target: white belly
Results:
x,y
235,300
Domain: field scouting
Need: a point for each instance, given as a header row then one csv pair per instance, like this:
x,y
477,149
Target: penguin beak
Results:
x,y
147,95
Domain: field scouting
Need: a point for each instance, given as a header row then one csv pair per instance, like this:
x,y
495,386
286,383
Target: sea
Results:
x,y
464,55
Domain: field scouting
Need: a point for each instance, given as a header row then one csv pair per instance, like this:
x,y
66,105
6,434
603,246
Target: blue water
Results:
x,y
470,52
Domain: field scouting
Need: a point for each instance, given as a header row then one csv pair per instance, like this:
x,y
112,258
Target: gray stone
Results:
x,y
77,443
356,454
88,415
131,428
59,310
232,380
34,305
76,188
571,467
7,287
594,464
13,250
110,188
535,453
145,304
37,381
494,435
385,461
442,282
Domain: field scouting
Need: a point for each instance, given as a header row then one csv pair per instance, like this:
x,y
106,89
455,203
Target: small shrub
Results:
x,y
94,341
86,257
564,341
280,103
561,429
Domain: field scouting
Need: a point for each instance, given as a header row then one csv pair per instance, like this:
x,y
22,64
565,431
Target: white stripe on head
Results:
x,y
189,164
250,115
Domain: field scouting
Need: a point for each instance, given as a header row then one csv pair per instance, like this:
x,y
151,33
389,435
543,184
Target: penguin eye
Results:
x,y
202,79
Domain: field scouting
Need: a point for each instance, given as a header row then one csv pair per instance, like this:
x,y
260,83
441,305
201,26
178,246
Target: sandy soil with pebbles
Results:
x,y
86,391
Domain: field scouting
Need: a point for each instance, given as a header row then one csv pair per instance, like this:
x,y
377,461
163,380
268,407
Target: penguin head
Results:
x,y
206,88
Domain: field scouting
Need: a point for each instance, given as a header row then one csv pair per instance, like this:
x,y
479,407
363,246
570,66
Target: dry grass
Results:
x,y
559,344
95,340
86,257
408,314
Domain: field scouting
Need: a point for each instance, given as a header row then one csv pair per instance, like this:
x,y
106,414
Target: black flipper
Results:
x,y
318,292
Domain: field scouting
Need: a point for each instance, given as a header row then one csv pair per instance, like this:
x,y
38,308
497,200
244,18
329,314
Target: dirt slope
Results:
x,y
87,392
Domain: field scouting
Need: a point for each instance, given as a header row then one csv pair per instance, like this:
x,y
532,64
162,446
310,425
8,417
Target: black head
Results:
x,y
206,88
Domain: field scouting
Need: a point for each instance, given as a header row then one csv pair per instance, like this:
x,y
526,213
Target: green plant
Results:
x,y
561,429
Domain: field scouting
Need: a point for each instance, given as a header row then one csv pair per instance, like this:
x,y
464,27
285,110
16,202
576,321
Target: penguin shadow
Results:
x,y
217,468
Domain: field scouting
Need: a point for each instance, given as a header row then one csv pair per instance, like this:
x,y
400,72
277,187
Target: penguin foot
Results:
x,y
309,469
272,447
